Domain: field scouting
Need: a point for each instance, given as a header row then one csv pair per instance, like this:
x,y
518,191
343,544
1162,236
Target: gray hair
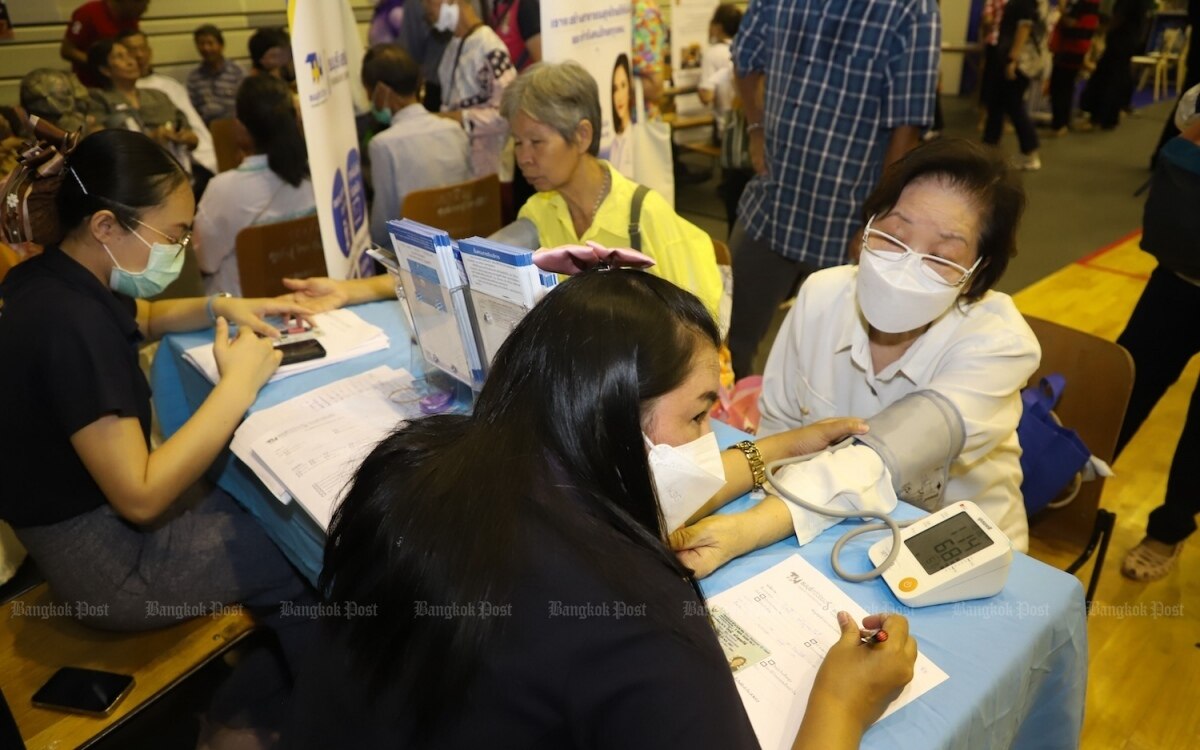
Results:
x,y
561,95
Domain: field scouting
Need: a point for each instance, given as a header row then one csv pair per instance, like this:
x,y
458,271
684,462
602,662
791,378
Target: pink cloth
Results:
x,y
571,259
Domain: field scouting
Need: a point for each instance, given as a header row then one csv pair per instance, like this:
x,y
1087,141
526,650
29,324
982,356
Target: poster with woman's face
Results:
x,y
596,34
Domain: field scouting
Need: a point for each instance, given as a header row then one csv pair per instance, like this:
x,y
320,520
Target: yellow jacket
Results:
x,y
683,253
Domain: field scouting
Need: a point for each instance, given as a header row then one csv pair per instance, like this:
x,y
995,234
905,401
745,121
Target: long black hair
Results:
x,y
264,106
440,510
119,170
622,63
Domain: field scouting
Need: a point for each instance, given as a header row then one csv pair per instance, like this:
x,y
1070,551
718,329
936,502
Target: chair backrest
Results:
x,y
1099,377
465,209
268,252
724,256
225,143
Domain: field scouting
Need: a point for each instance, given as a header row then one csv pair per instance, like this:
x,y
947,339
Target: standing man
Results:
x,y
91,22
519,24
832,92
212,85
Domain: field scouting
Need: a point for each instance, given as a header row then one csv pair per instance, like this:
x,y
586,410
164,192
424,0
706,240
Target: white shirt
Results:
x,y
978,357
418,151
716,75
204,154
247,196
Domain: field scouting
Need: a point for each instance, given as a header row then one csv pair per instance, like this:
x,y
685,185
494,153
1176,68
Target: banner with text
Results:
x,y
596,34
327,52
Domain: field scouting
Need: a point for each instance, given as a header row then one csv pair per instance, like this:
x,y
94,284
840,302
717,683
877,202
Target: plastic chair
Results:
x,y
465,209
1099,377
225,143
268,252
35,641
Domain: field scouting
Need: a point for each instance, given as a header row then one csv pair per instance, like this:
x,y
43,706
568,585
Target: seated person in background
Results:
x,y
608,362
716,67
109,521
916,313
57,96
212,85
121,104
554,112
91,22
473,73
204,155
270,185
418,150
271,54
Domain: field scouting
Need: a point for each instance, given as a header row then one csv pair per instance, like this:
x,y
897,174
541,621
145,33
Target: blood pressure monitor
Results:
x,y
952,555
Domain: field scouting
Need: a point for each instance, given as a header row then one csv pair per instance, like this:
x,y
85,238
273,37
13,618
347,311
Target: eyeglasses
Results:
x,y
184,241
886,247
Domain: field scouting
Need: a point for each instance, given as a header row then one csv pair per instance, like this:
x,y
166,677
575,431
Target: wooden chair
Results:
x,y
1099,377
268,252
34,645
225,143
465,209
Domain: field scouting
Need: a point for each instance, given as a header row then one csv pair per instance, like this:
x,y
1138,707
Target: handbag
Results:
x,y
27,195
652,162
1052,456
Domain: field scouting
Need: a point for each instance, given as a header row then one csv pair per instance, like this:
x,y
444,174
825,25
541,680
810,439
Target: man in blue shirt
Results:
x,y
832,93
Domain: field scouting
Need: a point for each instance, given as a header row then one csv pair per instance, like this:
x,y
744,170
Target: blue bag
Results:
x,y
1051,455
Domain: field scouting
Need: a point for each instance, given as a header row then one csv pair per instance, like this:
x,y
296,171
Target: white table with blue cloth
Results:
x,y
1017,662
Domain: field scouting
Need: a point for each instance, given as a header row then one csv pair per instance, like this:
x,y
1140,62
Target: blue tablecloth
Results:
x,y
1017,662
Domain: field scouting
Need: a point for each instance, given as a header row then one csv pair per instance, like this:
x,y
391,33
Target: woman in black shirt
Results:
x,y
109,521
501,579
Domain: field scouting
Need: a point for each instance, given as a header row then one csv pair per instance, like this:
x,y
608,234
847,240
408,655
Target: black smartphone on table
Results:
x,y
83,691
300,351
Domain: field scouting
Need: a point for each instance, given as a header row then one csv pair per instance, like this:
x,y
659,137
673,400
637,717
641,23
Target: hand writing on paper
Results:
x,y
857,682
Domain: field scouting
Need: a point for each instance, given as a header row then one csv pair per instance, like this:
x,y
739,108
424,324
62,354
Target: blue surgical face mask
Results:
x,y
382,115
163,267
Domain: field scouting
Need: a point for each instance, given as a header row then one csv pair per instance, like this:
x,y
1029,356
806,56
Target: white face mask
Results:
x,y
685,476
447,20
900,291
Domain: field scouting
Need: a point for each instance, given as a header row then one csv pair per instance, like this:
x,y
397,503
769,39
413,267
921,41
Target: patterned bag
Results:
x,y
27,212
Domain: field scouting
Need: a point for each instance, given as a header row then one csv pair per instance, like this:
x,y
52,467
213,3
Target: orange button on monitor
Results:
x,y
908,584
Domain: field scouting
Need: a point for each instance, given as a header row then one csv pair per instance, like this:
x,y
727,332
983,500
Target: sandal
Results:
x,y
1143,563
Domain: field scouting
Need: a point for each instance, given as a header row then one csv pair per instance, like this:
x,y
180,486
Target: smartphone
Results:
x,y
83,691
300,351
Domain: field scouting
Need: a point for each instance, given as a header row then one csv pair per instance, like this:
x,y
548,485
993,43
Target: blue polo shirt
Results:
x,y
69,357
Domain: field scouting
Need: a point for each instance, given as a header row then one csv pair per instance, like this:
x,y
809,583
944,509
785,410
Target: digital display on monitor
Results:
x,y
954,539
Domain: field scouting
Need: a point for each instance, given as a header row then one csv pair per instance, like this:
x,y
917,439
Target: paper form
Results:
x,y
775,629
312,444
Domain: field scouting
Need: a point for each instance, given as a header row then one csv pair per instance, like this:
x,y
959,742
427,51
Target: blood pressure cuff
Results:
x,y
917,438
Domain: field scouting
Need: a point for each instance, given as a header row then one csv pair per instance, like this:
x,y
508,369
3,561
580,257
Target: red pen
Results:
x,y
874,636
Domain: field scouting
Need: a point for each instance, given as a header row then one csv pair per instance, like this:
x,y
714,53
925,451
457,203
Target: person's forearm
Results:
x,y
177,315
369,289
534,46
750,91
825,727
184,458
739,477
902,140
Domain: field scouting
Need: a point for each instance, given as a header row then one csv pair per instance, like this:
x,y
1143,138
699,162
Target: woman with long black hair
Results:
x,y
272,184
502,579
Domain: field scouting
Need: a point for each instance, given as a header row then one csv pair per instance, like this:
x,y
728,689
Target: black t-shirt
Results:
x,y
1015,12
572,668
68,356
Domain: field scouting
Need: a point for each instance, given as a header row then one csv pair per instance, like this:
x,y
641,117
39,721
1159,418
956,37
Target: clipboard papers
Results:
x,y
462,298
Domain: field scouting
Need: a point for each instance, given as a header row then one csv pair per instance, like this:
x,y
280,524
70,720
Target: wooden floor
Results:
x,y
1144,638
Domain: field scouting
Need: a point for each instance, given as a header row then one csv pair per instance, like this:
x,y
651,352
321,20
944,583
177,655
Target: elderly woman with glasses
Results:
x,y
916,313
553,110
120,528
